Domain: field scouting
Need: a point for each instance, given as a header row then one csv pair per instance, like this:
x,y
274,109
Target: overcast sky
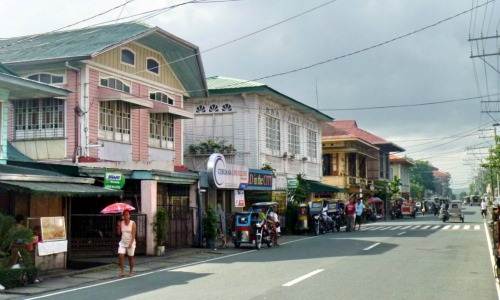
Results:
x,y
429,66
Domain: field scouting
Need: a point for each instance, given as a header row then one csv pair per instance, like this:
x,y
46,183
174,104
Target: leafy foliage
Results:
x,y
160,226
210,224
211,146
421,174
9,234
395,186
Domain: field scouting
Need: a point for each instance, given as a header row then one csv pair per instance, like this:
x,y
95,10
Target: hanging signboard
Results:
x,y
260,180
114,181
292,183
239,198
224,175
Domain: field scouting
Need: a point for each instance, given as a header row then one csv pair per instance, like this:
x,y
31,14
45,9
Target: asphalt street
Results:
x,y
420,258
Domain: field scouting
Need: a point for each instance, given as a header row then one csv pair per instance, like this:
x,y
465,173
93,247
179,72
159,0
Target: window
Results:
x,y
312,147
293,138
162,97
200,109
115,84
227,107
273,133
327,164
38,118
153,65
47,78
128,57
114,121
161,130
213,108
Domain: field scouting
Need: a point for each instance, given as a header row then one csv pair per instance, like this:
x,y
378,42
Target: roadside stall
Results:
x,y
375,209
52,243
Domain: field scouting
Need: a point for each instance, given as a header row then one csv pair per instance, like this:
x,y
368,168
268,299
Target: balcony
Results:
x,y
346,182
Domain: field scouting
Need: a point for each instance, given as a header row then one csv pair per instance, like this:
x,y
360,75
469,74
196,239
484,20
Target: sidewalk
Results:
x,y
72,278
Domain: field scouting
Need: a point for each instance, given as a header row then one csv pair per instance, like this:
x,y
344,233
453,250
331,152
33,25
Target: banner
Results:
x,y
48,248
239,198
114,181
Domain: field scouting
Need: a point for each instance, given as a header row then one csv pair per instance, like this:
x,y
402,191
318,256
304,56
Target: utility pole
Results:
x,y
496,171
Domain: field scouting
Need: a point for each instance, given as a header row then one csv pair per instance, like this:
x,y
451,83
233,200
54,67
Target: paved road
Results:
x,y
408,259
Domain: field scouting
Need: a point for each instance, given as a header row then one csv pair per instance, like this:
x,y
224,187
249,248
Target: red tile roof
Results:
x,y
348,129
400,160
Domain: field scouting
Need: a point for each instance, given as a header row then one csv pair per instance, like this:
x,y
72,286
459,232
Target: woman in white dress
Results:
x,y
127,229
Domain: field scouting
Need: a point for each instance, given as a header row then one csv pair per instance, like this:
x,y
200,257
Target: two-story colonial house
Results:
x,y
400,167
264,126
125,113
354,158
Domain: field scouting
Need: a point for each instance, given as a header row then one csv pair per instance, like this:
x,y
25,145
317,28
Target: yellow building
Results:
x,y
354,158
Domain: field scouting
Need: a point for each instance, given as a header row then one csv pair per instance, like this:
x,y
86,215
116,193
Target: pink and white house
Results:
x,y
129,82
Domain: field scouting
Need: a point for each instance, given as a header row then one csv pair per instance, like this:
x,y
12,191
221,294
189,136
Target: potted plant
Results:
x,y
160,230
210,228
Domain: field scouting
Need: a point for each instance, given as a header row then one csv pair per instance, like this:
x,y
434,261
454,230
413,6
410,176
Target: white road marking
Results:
x,y
406,227
401,233
371,247
436,227
477,227
415,227
492,259
446,227
425,227
303,277
373,228
396,227
159,271
466,227
456,227
383,227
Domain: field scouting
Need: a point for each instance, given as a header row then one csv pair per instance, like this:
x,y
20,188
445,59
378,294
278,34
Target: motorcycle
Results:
x,y
339,219
396,213
444,215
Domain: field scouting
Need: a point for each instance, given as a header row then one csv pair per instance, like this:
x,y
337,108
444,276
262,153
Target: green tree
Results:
x,y
395,186
422,174
417,191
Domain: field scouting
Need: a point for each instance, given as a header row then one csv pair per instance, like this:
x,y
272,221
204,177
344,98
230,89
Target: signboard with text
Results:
x,y
239,198
114,181
224,175
260,180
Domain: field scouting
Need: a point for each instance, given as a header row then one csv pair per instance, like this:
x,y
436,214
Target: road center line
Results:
x,y
401,233
303,277
371,247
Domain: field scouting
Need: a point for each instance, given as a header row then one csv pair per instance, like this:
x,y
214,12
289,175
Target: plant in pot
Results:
x,y
210,228
160,230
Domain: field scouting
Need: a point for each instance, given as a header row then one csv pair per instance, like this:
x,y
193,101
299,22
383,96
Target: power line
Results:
x,y
408,105
377,45
31,37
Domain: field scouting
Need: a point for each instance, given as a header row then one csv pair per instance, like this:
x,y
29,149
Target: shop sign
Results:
x,y
260,180
239,198
114,181
53,228
292,183
223,175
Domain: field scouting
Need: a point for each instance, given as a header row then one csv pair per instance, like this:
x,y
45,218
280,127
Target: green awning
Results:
x,y
55,188
318,187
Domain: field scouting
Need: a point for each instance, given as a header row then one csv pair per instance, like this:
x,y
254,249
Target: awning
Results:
x,y
179,113
135,101
318,187
63,189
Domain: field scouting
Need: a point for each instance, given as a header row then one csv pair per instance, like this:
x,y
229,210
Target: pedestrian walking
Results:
x,y
127,229
350,212
483,208
360,207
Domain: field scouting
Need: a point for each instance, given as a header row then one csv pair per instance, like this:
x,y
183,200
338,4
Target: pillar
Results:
x,y
148,206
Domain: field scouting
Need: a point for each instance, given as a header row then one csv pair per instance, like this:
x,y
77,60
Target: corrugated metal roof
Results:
x,y
218,85
219,82
85,43
64,189
67,44
5,70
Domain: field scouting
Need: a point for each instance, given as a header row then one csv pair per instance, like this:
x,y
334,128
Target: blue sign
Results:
x,y
260,180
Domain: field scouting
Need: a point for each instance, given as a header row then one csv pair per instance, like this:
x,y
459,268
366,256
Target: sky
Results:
x,y
432,65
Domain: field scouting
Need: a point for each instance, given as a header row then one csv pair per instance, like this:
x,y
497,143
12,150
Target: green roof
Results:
x,y
219,85
318,187
54,188
15,155
5,70
81,44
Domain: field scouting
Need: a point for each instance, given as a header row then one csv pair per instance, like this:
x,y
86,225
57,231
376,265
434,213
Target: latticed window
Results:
x,y
115,84
114,121
38,118
213,108
162,97
161,130
312,147
227,107
47,78
200,109
273,139
293,138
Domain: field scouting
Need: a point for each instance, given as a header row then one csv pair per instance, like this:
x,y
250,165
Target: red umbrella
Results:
x,y
116,208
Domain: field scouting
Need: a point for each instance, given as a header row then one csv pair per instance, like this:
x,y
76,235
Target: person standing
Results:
x,y
360,207
127,229
483,208
350,212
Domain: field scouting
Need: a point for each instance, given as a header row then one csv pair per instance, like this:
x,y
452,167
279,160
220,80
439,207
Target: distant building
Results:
x,y
354,158
400,167
442,183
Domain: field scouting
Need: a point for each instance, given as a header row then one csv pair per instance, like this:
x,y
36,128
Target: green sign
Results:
x,y
114,181
292,183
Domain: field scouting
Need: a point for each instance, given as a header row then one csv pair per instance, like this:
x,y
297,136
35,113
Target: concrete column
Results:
x,y
148,206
